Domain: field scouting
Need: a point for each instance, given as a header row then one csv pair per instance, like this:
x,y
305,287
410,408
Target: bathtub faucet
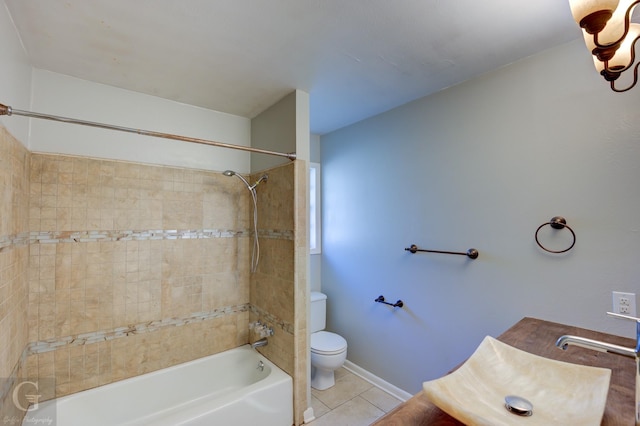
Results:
x,y
260,343
564,342
261,328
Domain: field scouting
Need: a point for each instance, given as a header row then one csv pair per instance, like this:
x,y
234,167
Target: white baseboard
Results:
x,y
308,415
377,381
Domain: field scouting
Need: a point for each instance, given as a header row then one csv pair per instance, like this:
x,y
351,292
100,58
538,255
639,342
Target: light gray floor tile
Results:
x,y
341,372
319,409
355,412
347,387
380,399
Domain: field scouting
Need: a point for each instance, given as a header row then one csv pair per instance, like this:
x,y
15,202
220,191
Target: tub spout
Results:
x,y
565,341
260,343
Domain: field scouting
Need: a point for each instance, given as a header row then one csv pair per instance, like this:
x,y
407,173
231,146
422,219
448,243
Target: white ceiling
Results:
x,y
356,58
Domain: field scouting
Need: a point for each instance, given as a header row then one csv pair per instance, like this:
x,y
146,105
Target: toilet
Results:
x,y
328,350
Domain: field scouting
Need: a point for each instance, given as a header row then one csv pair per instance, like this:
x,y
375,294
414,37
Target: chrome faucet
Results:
x,y
564,341
260,343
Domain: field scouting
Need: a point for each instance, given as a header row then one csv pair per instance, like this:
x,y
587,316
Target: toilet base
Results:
x,y
322,379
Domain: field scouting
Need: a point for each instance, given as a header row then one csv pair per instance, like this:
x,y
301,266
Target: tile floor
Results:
x,y
352,401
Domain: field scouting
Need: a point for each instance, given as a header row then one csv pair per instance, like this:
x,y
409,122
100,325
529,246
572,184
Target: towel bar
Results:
x,y
471,253
398,304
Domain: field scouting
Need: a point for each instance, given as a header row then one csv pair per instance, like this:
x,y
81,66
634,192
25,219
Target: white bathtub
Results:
x,y
229,388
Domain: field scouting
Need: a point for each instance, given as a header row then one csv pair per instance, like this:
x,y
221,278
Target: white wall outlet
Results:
x,y
624,303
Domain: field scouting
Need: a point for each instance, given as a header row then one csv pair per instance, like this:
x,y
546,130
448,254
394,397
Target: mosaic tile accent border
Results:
x,y
116,333
276,234
272,319
47,237
7,242
49,345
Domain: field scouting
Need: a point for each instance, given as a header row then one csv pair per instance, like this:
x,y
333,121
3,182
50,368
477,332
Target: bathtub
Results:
x,y
235,387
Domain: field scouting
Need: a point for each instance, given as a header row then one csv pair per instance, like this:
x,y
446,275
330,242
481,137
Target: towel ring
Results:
x,y
556,222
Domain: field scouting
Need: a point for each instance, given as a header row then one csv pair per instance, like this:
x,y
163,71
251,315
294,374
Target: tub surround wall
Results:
x,y
14,263
274,294
126,268
272,286
132,268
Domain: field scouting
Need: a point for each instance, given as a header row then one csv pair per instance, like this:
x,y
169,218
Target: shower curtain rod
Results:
x,y
7,110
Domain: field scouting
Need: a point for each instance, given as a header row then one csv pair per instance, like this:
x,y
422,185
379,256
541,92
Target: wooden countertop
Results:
x,y
539,337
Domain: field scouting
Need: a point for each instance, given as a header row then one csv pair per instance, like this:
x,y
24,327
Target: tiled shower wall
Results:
x,y
278,290
112,269
272,289
14,258
132,268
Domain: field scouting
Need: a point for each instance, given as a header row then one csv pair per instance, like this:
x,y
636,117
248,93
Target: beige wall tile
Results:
x,y
83,285
278,289
14,260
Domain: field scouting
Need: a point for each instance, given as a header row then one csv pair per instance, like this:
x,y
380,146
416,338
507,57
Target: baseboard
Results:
x,y
308,415
377,381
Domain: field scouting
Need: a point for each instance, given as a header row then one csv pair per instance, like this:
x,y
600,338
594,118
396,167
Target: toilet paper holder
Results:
x,y
398,304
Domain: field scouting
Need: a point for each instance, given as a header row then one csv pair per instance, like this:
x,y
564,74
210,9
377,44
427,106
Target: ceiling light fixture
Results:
x,y
610,36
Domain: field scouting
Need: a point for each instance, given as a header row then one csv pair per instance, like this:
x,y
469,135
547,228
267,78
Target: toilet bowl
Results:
x,y
328,350
328,353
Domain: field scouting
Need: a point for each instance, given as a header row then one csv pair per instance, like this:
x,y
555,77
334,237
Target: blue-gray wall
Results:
x,y
482,165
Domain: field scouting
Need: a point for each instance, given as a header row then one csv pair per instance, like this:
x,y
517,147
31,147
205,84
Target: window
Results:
x,y
315,228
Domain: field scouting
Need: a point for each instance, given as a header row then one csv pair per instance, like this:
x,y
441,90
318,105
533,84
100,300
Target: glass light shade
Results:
x,y
614,30
598,64
582,8
623,57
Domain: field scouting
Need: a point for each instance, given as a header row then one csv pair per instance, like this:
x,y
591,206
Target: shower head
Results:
x,y
232,173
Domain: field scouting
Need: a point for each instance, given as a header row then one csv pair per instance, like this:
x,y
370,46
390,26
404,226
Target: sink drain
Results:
x,y
518,405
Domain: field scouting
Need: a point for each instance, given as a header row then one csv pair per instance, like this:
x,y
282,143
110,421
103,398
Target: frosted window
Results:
x,y
315,230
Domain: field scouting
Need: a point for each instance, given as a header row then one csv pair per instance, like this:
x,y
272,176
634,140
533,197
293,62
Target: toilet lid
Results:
x,y
325,342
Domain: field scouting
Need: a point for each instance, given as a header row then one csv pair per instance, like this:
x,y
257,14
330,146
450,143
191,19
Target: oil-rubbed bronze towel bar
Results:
x,y
398,304
556,222
471,253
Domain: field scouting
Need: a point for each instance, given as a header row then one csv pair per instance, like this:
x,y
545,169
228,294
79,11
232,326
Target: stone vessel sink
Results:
x,y
561,393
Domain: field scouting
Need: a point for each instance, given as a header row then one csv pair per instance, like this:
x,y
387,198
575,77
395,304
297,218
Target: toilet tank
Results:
x,y
318,311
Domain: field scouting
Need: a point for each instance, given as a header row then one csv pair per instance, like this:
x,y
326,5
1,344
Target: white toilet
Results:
x,y
328,350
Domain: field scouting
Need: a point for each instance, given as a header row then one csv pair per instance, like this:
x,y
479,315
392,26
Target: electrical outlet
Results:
x,y
624,303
